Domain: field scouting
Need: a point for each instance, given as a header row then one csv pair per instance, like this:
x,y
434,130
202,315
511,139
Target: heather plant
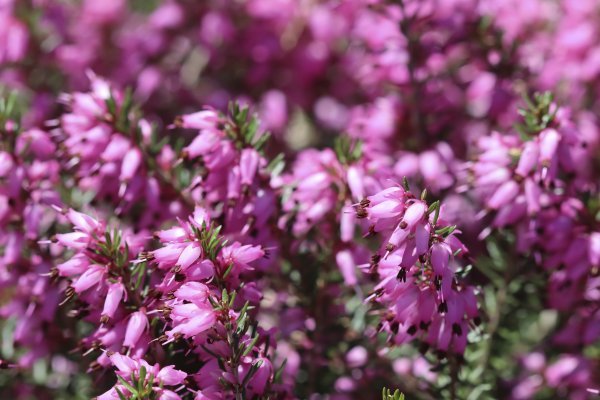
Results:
x,y
280,199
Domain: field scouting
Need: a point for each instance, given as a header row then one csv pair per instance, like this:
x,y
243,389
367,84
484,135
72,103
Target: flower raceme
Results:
x,y
230,170
537,184
516,178
194,303
422,84
142,379
419,288
108,145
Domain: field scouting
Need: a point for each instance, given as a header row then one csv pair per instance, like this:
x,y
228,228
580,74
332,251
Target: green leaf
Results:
x,y
446,231
357,151
232,298
276,165
250,346
225,296
261,141
142,379
111,104
347,150
278,374
121,395
405,184
386,394
242,313
127,385
228,270
149,386
253,369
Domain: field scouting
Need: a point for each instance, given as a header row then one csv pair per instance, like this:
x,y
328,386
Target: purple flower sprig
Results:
x,y
209,306
116,154
138,380
418,261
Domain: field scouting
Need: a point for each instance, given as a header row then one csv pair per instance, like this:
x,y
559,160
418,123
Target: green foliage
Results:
x,y
405,184
237,332
516,322
113,249
242,128
386,394
116,251
9,108
446,231
140,387
434,208
347,150
10,111
276,165
144,6
537,115
210,240
123,116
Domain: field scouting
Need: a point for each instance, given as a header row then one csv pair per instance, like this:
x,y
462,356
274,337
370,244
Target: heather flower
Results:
x,y
137,324
229,260
417,266
13,36
130,369
114,295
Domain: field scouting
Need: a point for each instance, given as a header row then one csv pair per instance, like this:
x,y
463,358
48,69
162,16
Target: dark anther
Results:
x,y
375,258
443,308
361,213
178,121
162,338
70,292
401,275
95,366
456,329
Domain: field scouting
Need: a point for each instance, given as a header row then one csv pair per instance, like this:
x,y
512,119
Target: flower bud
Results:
x,y
138,323
89,278
248,165
529,159
113,299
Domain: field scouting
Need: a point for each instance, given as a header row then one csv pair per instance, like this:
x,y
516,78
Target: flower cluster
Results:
x,y
273,199
421,293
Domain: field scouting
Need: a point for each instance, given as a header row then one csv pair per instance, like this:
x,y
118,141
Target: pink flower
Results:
x,y
138,323
113,299
189,255
202,120
249,160
130,165
170,376
199,321
195,292
91,277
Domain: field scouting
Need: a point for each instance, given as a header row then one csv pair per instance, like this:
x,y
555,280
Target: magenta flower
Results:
x,y
417,267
